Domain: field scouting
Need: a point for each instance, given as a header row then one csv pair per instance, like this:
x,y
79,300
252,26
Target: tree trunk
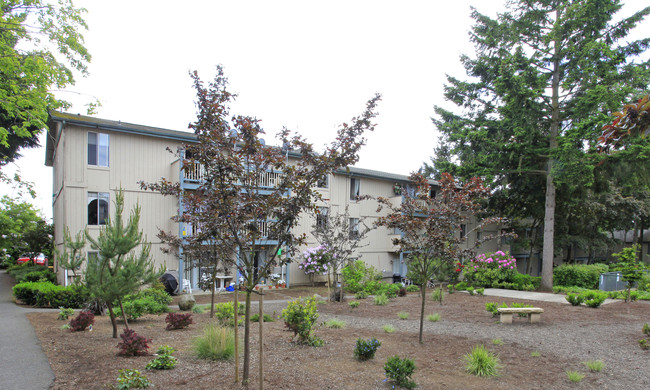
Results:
x,y
261,323
236,317
423,292
126,323
641,241
212,286
111,313
247,344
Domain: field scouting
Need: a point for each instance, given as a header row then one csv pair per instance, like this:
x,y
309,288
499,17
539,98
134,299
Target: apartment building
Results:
x,y
92,158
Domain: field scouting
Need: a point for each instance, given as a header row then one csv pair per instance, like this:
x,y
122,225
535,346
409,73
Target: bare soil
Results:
x,y
566,337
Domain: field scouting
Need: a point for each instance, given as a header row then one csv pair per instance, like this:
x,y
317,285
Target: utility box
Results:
x,y
611,281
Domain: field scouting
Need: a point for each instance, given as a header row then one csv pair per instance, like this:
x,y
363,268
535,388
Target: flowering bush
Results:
x,y
489,270
316,261
365,349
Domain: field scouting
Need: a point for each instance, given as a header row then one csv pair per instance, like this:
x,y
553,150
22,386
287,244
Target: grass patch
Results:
x,y
381,300
435,317
353,304
403,315
389,328
535,354
595,365
335,324
198,309
216,343
497,341
574,376
482,362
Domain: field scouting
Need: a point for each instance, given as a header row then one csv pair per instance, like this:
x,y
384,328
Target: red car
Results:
x,y
39,260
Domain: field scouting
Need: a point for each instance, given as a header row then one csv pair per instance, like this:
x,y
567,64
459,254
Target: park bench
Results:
x,y
534,313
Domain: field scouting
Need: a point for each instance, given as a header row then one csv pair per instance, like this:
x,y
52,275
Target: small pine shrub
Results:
x,y
433,317
216,343
574,376
133,344
482,362
574,299
353,304
178,320
595,365
335,324
266,318
164,360
389,328
132,379
83,320
366,349
361,295
64,313
412,288
403,315
381,300
400,371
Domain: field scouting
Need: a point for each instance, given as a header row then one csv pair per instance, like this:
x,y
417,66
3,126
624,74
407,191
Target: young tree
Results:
x,y
73,259
257,192
41,47
334,232
38,238
431,226
118,271
546,75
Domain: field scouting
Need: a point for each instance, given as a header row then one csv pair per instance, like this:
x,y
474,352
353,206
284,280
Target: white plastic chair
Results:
x,y
187,285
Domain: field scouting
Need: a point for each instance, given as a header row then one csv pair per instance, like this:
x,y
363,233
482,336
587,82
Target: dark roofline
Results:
x,y
373,174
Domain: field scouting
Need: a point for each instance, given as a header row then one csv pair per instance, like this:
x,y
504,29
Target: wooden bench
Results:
x,y
505,313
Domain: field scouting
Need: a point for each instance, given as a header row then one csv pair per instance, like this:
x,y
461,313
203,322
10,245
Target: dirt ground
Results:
x,y
88,360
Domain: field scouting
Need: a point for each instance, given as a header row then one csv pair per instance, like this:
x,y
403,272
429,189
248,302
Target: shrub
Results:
x,y
644,343
579,275
437,295
574,299
217,343
361,295
366,349
198,309
148,301
433,317
493,307
133,344
402,292
40,276
178,320
389,328
519,306
381,300
64,313
266,318
83,320
132,379
335,324
451,289
47,294
412,288
400,371
20,271
644,283
497,341
480,291
595,365
470,290
481,362
535,354
646,329
488,270
594,298
403,315
526,282
460,286
574,376
225,313
353,304
300,316
164,361
361,277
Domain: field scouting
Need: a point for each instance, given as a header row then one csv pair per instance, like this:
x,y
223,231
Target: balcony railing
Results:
x,y
195,173
263,227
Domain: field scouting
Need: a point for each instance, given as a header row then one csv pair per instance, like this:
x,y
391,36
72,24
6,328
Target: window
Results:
x,y
323,182
463,230
432,192
354,228
479,236
355,184
98,149
97,208
321,218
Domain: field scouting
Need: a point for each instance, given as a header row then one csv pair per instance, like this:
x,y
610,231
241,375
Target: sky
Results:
x,y
306,65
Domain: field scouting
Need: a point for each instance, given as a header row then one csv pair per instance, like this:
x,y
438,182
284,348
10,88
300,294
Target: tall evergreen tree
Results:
x,y
546,76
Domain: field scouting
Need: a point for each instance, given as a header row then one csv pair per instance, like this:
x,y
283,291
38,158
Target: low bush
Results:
x,y
381,300
646,329
335,324
578,275
41,276
497,342
64,313
266,318
133,344
388,328
435,317
403,315
493,307
480,291
400,371
83,320
20,271
402,292
47,294
574,299
132,379
488,270
300,316
460,286
437,295
519,306
526,282
359,276
366,349
164,360
361,295
178,320
595,365
353,304
216,343
148,301
481,362
574,376
225,313
470,290
412,288
594,298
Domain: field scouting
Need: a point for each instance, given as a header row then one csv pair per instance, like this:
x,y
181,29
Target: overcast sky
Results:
x,y
305,65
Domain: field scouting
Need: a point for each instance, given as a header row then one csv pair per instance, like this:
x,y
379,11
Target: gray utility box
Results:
x,y
611,281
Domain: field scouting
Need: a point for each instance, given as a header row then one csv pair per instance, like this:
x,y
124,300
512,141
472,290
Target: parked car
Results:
x,y
39,260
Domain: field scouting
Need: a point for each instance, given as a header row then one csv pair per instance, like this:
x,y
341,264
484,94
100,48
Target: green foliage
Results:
x,y
470,290
435,317
266,318
490,270
389,289
579,275
135,306
574,376
46,294
646,329
216,343
400,371
198,309
16,217
20,272
359,276
132,379
164,360
72,256
461,286
535,354
644,343
403,315
335,324
300,316
482,362
480,291
354,304
519,306
595,365
64,313
574,299
594,298
497,342
225,313
366,349
82,321
632,270
361,295
41,276
437,295
388,328
412,288
526,282
133,344
381,300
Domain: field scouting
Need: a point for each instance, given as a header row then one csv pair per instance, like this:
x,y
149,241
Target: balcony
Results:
x,y
263,227
194,174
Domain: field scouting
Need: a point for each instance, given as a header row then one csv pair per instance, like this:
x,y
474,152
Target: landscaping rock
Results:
x,y
187,302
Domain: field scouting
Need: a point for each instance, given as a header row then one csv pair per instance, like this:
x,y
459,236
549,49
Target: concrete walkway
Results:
x,y
532,296
23,365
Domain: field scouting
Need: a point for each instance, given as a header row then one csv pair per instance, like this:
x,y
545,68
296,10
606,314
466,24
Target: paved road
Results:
x,y
23,364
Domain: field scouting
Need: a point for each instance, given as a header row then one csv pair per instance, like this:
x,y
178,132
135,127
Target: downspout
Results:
x,y
180,224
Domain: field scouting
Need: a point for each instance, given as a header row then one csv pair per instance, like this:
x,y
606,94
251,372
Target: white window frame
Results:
x,y
98,152
97,196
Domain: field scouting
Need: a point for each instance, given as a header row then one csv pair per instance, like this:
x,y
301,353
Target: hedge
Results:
x,y
47,294
579,275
